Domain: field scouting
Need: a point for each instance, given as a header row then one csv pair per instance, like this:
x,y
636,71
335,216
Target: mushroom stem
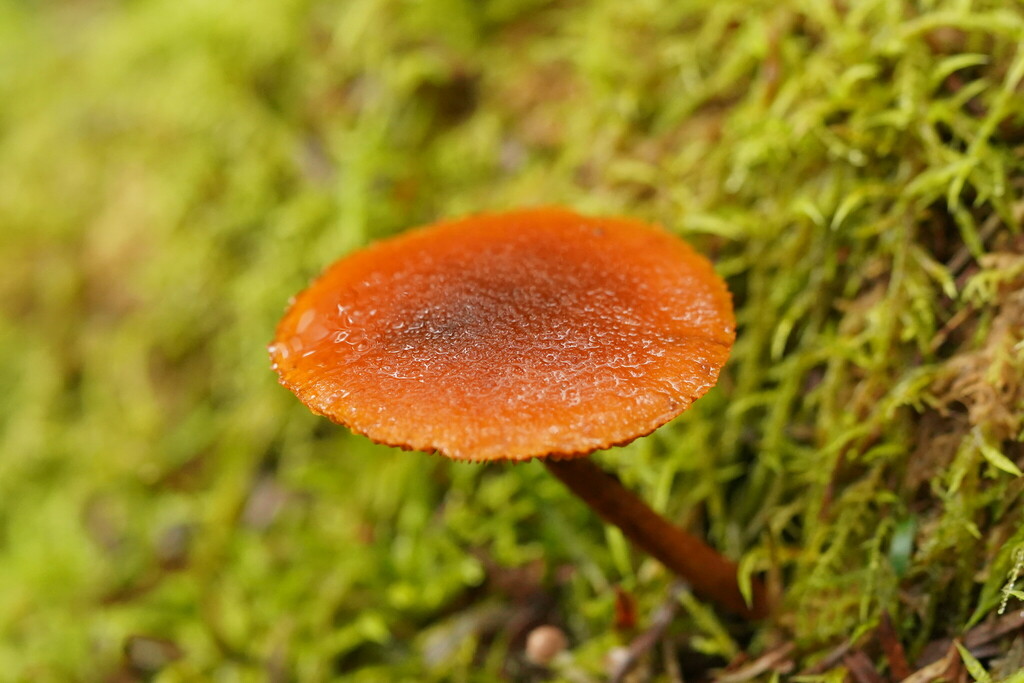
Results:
x,y
709,573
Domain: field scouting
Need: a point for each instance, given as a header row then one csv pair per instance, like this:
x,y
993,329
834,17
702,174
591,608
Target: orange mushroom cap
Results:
x,y
509,336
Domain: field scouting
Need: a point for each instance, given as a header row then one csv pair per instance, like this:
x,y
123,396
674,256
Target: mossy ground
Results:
x,y
171,171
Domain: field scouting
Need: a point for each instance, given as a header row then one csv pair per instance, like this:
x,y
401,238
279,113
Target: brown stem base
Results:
x,y
709,573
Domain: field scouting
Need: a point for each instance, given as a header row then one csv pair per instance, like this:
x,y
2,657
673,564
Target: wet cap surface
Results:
x,y
509,336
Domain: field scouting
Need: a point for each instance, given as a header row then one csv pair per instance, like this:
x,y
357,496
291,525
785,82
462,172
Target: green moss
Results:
x,y
170,172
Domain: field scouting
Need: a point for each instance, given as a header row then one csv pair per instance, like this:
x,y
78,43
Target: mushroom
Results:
x,y
530,334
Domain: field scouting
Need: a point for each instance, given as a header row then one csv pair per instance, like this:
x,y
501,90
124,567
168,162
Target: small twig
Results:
x,y
830,660
963,255
987,632
935,669
773,660
861,668
895,655
671,662
976,638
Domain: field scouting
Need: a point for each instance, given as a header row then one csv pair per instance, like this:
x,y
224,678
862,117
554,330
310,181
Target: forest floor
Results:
x,y
172,171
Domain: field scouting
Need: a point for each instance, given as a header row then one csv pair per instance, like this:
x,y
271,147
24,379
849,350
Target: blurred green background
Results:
x,y
171,171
